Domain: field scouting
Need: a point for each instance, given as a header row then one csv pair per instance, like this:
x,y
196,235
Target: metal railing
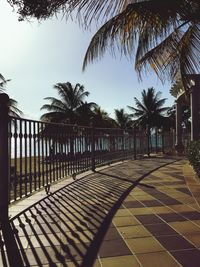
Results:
x,y
34,154
42,153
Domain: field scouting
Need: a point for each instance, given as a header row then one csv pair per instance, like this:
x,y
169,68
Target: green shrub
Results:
x,y
193,154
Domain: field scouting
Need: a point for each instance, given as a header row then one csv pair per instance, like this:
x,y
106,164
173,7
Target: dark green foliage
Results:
x,y
193,154
149,111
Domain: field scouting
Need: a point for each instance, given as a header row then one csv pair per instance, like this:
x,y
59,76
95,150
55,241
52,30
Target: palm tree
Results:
x,y
149,111
13,110
164,34
177,88
85,113
66,107
122,119
102,119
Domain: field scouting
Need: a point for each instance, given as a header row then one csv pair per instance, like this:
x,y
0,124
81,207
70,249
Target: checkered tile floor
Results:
x,y
138,213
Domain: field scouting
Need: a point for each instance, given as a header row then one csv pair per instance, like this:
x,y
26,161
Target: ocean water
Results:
x,y
31,147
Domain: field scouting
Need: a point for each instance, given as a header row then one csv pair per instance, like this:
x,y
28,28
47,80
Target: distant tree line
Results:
x,y
71,107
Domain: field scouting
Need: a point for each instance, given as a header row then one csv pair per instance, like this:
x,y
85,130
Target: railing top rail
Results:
x,y
50,123
119,130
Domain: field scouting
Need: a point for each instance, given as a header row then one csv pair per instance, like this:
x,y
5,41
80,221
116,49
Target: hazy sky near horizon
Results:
x,y
35,56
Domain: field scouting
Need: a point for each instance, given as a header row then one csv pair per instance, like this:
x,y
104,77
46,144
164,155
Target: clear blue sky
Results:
x,y
35,56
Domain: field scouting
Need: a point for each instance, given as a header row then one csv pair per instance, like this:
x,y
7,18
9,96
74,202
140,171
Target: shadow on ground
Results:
x,y
67,227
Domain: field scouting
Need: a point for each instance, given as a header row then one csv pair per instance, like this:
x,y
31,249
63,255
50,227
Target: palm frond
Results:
x,y
122,30
164,56
190,51
86,10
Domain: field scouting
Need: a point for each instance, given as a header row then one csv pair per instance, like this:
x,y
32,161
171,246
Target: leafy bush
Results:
x,y
193,154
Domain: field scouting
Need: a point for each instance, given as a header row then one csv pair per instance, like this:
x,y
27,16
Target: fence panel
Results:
x,y
42,153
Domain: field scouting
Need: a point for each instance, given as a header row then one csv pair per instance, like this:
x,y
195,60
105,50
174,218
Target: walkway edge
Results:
x,y
192,181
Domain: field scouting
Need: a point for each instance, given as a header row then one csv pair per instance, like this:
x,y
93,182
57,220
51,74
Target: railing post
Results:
x,y
4,160
148,141
134,140
156,136
163,140
93,145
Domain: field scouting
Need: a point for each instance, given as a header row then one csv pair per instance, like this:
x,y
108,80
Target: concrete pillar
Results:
x,y
4,158
195,108
179,144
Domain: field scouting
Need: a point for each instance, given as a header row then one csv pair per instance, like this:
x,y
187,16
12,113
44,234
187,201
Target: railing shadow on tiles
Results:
x,y
35,154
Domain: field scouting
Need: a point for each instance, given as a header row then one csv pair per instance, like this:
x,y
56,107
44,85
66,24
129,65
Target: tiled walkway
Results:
x,y
137,213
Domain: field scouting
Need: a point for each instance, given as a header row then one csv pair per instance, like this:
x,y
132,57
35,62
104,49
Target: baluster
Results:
x,y
15,181
34,156
20,159
43,128
30,156
25,156
38,154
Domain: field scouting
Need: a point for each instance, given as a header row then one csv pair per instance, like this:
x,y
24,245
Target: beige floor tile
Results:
x,y
125,221
77,237
158,259
129,198
144,245
97,264
197,222
186,200
185,227
194,238
138,211
122,212
78,263
48,240
195,188
133,231
195,206
181,208
161,210
123,261
197,199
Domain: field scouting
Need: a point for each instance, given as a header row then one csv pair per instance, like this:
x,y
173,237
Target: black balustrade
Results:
x,y
35,154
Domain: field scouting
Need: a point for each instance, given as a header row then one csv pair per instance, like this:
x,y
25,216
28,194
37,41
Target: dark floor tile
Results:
x,y
193,215
133,204
172,217
174,183
151,203
176,242
148,219
160,229
184,190
75,252
112,234
114,248
170,201
187,258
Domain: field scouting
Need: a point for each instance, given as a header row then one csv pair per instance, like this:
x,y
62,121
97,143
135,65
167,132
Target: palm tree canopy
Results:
x,y
122,119
165,35
102,119
176,88
85,113
13,110
149,111
65,108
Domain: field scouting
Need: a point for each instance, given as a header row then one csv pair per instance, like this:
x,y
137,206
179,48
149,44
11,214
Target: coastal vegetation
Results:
x,y
193,154
13,109
70,107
